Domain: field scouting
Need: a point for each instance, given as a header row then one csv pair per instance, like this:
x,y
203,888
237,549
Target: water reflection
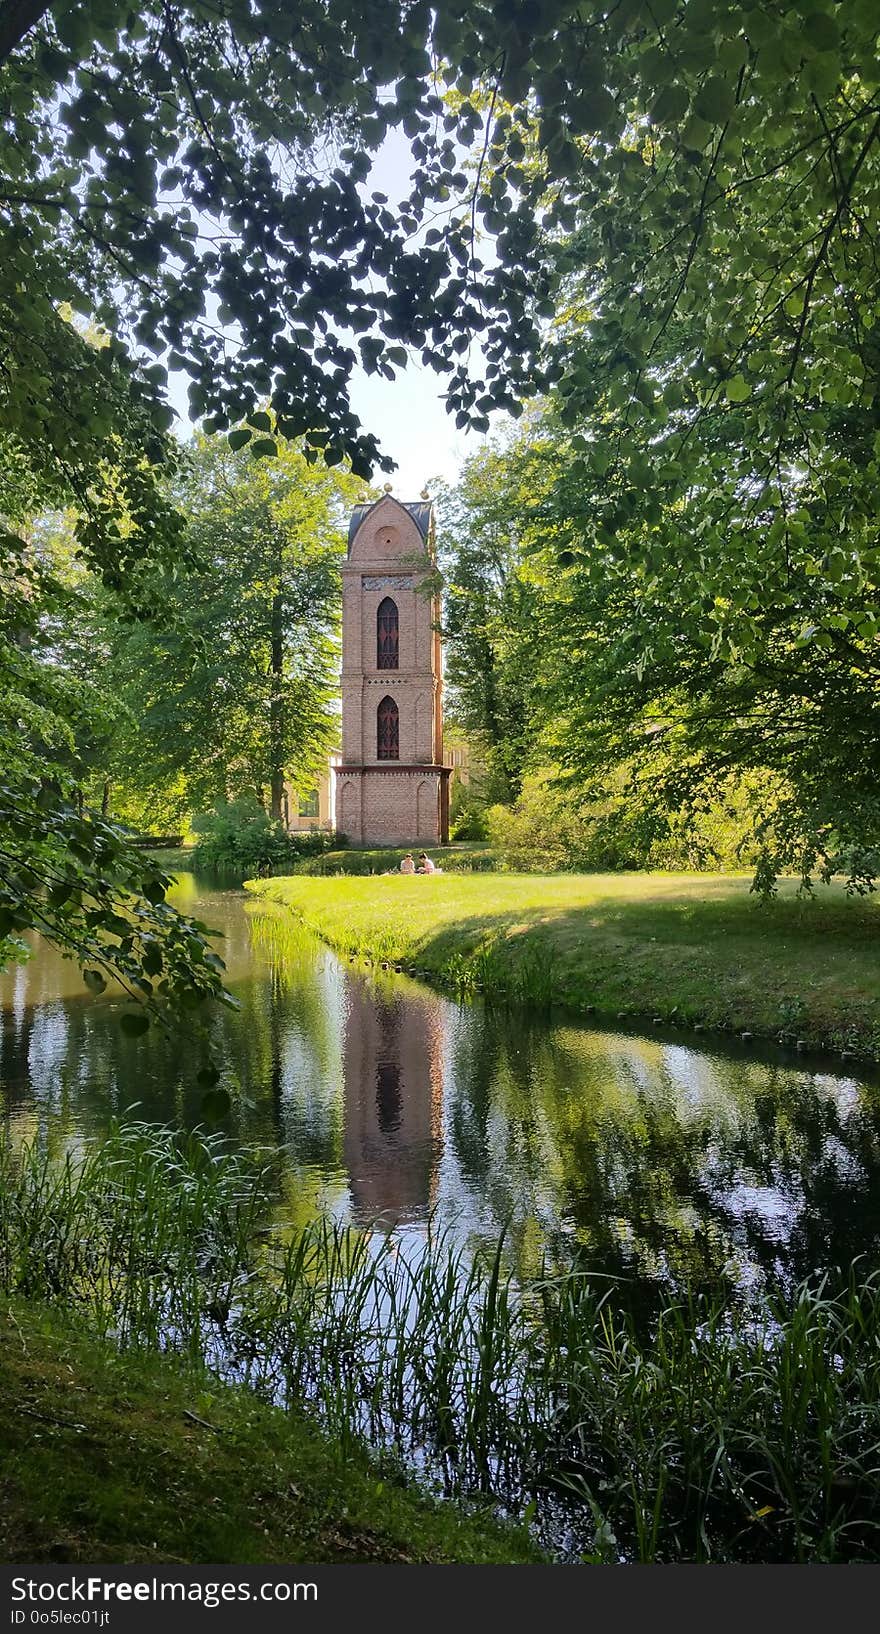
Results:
x,y
641,1156
393,1078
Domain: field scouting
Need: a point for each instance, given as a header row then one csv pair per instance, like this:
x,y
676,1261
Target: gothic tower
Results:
x,y
392,786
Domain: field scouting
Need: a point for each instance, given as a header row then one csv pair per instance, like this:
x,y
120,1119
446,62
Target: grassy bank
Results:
x,y
686,948
128,1458
704,1429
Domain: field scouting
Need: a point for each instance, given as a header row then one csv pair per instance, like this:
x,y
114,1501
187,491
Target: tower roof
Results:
x,y
421,511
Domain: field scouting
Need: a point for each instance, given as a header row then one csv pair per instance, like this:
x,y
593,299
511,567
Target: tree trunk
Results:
x,y
105,798
276,710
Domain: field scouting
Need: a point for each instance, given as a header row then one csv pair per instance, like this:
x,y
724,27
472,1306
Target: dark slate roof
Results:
x,y
421,511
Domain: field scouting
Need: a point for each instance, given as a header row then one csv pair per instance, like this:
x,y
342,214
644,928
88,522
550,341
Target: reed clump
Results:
x,y
711,1431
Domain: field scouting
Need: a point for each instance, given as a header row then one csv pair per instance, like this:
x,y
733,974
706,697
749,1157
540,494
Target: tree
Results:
x,y
718,380
699,179
494,668
233,690
138,197
712,567
715,163
179,166
64,870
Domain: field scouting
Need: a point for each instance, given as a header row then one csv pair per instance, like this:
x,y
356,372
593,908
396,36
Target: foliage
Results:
x,y
694,186
175,166
729,156
716,517
638,677
64,870
242,838
709,1432
153,700
467,818
617,681
232,688
551,826
489,609
137,205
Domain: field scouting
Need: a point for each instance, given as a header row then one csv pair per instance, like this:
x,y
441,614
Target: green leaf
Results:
x,y
821,31
696,135
94,981
239,438
715,101
134,1022
738,389
671,105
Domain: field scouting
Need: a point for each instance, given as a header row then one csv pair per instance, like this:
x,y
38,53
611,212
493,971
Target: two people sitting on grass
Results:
x,y
426,866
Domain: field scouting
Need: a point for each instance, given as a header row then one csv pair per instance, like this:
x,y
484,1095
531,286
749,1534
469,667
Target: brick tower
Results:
x,y
392,786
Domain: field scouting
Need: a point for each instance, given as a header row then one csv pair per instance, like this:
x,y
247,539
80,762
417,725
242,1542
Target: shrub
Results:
x,y
552,829
240,838
470,822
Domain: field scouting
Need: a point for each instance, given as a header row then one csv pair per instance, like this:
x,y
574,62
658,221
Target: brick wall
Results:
x,y
389,558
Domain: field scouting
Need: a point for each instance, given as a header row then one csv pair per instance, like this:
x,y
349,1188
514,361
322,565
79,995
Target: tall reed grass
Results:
x,y
711,1433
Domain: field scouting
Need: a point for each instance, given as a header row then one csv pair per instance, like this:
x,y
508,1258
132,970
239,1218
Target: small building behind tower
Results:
x,y
391,785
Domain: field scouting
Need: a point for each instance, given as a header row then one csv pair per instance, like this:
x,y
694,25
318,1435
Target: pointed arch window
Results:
x,y
387,730
387,635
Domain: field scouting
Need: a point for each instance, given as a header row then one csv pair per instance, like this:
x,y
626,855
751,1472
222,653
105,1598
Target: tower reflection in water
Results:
x,y
393,1072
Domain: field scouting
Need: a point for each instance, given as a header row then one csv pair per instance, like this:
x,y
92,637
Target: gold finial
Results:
x,y
387,487
425,494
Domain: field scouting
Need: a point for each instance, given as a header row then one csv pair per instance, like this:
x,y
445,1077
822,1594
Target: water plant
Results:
x,y
704,1430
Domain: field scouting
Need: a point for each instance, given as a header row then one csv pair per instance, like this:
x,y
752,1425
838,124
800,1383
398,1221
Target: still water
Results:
x,y
647,1157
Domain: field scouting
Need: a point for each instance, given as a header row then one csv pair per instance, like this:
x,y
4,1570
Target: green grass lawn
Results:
x,y
692,948
105,1457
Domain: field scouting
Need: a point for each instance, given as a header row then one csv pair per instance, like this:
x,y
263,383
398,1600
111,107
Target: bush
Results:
x,y
241,838
469,822
551,829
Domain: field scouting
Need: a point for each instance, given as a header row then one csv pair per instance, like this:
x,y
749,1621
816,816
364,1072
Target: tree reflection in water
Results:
x,y
641,1157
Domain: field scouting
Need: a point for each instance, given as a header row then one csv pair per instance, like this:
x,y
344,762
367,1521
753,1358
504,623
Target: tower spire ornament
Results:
x,y
392,787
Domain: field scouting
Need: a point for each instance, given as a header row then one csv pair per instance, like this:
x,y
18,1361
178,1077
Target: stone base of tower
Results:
x,y
393,805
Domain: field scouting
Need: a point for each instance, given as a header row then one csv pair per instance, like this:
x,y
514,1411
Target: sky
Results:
x,y
408,414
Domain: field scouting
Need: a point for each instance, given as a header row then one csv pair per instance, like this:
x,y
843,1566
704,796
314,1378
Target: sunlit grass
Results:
x,y
685,948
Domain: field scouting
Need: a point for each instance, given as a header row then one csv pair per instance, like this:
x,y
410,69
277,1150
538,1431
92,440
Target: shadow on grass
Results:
x,y
789,969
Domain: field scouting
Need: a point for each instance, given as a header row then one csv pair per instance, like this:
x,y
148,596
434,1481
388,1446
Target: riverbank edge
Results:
x,y
136,1457
529,968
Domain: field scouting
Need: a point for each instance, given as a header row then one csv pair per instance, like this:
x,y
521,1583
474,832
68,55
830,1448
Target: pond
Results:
x,y
655,1158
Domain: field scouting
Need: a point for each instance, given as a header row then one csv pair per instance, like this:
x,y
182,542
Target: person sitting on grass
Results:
x,y
407,866
426,866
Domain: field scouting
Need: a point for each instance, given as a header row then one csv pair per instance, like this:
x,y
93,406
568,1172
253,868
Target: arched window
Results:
x,y
387,635
387,730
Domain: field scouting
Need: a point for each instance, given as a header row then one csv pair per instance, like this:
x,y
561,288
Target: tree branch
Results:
x,y
17,18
